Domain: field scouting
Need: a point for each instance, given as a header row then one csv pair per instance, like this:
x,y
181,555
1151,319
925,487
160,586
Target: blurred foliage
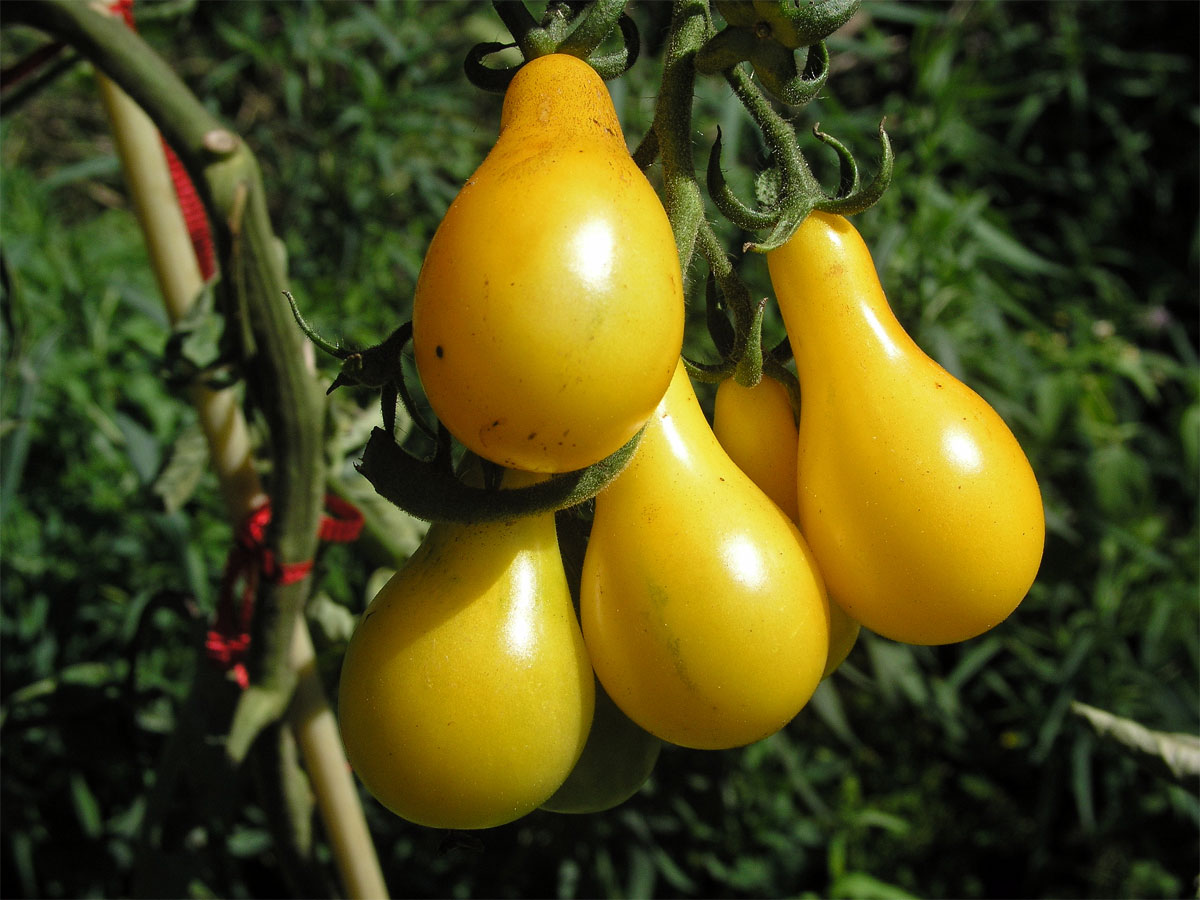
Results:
x,y
1040,240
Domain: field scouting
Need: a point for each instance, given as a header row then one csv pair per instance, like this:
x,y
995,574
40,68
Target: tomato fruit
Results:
x,y
617,759
703,612
466,693
548,313
756,427
917,501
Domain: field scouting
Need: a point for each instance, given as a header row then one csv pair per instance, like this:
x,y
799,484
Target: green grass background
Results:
x,y
1040,240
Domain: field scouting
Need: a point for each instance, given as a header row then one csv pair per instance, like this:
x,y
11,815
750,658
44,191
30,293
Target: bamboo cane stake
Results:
x,y
173,259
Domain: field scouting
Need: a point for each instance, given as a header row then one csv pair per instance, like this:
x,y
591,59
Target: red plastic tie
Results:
x,y
189,201
193,214
249,561
346,527
123,8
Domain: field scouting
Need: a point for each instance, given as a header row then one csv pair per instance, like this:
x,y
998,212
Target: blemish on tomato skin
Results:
x,y
438,351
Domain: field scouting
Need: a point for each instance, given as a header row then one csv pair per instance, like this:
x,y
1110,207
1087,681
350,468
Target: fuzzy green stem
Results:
x,y
122,55
178,274
779,135
592,27
691,25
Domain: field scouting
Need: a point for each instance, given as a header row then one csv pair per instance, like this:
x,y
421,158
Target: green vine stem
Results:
x,y
691,25
788,23
227,178
593,26
800,189
646,152
565,28
691,28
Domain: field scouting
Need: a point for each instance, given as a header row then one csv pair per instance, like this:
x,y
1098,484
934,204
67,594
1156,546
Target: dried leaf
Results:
x,y
1180,751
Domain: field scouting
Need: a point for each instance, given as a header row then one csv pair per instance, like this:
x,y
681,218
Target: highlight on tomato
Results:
x,y
919,504
702,608
757,428
466,693
548,313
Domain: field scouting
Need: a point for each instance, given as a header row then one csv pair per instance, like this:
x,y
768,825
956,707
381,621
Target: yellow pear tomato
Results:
x,y
466,693
917,501
702,609
757,428
548,314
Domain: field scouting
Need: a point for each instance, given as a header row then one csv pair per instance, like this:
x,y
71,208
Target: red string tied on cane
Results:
x,y
250,561
189,201
123,8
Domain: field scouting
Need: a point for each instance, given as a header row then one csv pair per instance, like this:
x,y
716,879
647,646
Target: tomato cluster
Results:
x,y
547,328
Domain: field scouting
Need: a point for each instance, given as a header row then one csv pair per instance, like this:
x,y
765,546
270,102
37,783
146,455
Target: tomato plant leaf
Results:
x,y
186,465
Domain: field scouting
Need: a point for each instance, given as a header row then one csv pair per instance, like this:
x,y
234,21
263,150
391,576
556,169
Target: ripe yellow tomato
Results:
x,y
756,427
466,693
548,314
917,501
702,609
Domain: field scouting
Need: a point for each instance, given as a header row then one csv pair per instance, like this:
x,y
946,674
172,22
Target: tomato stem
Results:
x,y
591,27
691,23
563,29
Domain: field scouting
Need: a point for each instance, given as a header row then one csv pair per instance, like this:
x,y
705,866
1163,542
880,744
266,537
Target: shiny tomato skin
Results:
x,y
920,506
757,428
548,314
466,693
703,612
